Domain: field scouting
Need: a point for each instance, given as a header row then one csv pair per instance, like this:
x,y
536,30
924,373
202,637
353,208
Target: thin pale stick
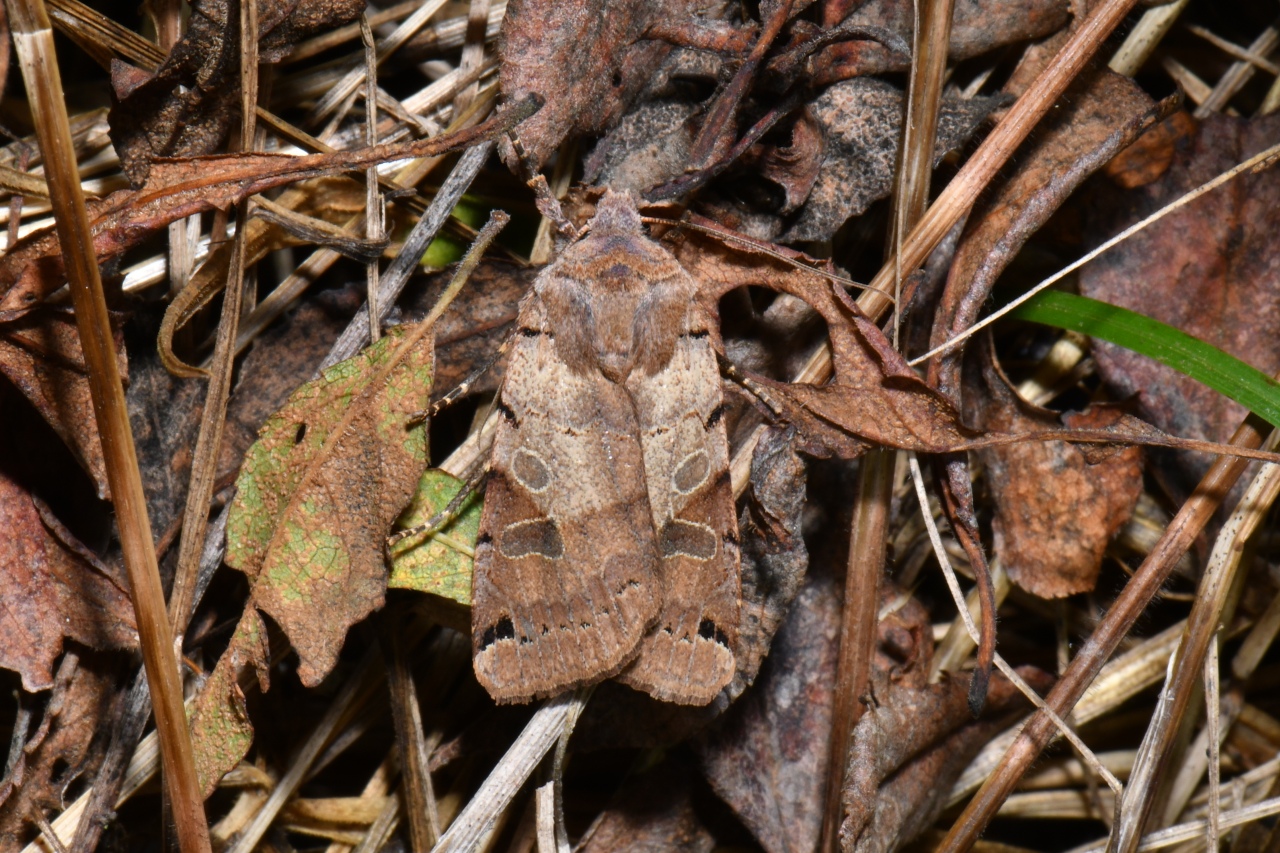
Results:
x,y
374,210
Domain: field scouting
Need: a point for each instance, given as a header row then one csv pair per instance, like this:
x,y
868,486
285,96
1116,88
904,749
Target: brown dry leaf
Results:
x,y
64,747
1057,505
650,812
860,122
40,354
914,738
221,732
768,758
587,58
54,589
1211,269
187,106
320,489
1104,112
33,268
978,26
1151,154
874,397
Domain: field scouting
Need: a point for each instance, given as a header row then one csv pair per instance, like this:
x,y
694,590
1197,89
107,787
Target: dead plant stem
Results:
x,y
33,37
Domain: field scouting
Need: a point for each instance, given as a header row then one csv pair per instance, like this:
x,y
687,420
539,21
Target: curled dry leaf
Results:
x,y
54,590
1211,269
334,199
40,354
1105,112
1057,504
65,747
319,490
187,106
978,26
914,738
860,122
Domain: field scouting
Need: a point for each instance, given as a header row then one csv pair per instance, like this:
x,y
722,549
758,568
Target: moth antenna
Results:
x,y
763,248
752,387
441,519
545,200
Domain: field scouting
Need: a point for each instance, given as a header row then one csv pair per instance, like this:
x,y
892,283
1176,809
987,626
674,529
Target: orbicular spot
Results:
x,y
503,629
538,536
708,630
687,539
692,472
529,470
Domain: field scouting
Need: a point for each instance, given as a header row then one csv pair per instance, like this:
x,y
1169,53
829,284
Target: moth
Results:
x,y
608,541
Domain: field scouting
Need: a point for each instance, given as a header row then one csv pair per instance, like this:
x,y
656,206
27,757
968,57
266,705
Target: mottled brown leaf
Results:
x,y
650,146
650,813
978,26
1057,506
64,747
187,106
860,121
1211,269
587,58
53,589
221,732
1151,154
914,738
768,758
320,489
40,354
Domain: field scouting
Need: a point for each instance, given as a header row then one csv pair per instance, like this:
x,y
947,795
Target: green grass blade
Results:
x,y
1203,362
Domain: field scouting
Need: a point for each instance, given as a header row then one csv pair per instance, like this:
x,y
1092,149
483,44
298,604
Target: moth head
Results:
x,y
615,214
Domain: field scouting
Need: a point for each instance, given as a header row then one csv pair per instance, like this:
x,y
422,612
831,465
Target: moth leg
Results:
x,y
731,372
547,203
460,390
438,521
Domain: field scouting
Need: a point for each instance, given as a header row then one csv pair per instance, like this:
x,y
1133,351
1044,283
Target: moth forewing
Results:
x,y
609,506
688,656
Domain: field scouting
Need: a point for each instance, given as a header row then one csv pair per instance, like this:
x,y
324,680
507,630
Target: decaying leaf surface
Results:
x,y
861,121
588,59
320,489
52,591
651,812
187,106
221,732
65,746
914,738
978,26
1057,505
40,354
768,758
441,562
1211,269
